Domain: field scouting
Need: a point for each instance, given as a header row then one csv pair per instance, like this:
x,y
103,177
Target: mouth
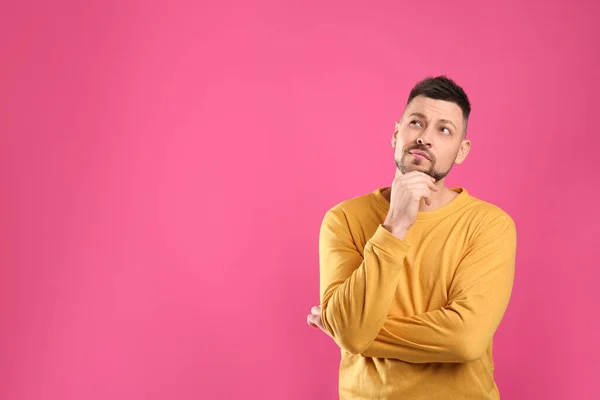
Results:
x,y
419,155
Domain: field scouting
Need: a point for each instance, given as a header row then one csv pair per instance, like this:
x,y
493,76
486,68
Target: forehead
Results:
x,y
435,109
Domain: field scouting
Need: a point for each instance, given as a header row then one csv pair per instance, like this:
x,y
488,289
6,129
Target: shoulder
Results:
x,y
351,208
488,216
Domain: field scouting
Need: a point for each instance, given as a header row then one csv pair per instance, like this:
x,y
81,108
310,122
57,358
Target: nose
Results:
x,y
423,142
425,138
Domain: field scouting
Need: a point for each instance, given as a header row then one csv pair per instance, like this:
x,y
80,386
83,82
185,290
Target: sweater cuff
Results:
x,y
388,243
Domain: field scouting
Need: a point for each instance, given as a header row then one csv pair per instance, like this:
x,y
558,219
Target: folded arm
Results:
x,y
463,329
356,292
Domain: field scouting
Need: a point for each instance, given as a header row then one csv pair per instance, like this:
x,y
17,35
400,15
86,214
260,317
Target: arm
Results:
x,y
478,297
356,293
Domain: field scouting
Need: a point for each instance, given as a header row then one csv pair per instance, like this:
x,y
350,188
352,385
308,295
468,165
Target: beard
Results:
x,y
407,164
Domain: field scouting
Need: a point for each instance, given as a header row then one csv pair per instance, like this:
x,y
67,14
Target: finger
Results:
x,y
422,184
319,322
427,200
432,186
421,191
418,187
423,175
428,197
415,176
413,173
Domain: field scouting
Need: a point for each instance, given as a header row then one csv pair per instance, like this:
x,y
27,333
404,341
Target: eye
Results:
x,y
446,130
417,123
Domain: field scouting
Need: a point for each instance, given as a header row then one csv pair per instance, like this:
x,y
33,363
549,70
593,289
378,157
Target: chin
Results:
x,y
415,167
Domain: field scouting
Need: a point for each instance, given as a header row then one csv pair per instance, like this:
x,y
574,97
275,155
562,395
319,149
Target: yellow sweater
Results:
x,y
415,318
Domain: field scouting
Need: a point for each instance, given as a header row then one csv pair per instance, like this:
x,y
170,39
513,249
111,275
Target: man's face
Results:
x,y
429,137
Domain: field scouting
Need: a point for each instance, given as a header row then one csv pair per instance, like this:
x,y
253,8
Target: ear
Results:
x,y
463,151
395,134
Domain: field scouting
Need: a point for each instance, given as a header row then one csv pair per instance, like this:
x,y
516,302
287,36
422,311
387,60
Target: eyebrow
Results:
x,y
444,121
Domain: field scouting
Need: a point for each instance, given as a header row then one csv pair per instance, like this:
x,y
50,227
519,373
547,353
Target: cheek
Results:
x,y
445,161
399,149
400,143
405,139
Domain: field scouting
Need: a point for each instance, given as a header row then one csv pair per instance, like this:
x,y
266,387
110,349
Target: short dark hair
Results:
x,y
442,88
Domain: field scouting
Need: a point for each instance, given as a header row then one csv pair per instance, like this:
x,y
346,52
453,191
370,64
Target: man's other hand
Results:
x,y
314,319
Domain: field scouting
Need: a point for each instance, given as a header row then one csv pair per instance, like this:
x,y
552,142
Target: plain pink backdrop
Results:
x,y
165,167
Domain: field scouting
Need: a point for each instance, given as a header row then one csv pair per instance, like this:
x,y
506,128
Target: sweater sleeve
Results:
x,y
478,297
356,293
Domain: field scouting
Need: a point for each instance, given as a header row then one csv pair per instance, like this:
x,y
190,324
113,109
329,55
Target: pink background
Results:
x,y
165,167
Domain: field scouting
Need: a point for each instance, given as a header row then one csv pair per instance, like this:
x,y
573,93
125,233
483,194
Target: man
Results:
x,y
415,278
